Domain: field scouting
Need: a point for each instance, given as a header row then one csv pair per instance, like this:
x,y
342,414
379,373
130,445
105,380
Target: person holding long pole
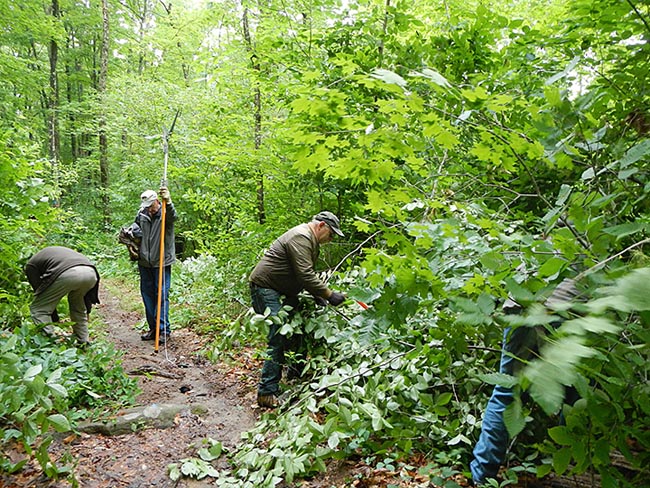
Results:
x,y
156,218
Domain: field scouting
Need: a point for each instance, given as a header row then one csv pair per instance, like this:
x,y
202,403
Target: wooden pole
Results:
x,y
163,212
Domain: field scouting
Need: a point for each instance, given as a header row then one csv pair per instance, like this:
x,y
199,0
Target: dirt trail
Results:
x,y
176,374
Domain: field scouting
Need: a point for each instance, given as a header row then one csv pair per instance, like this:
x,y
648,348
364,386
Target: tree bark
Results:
x,y
53,100
257,129
103,138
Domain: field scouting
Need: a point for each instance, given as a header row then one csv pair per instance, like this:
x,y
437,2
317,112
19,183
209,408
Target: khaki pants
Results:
x,y
74,282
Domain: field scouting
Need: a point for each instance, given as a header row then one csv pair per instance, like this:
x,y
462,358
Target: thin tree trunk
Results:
x,y
53,100
103,138
257,129
384,31
143,19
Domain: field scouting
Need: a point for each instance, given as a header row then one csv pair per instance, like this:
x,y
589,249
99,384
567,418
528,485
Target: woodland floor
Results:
x,y
180,374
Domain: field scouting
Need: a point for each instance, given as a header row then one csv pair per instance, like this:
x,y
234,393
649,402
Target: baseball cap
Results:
x,y
148,197
330,219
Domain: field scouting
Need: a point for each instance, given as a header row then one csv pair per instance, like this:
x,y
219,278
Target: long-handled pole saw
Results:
x,y
161,265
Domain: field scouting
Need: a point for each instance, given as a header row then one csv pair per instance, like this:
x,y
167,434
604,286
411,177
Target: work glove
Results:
x,y
164,194
336,298
320,301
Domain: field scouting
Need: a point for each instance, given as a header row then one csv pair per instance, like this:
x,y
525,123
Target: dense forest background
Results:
x,y
473,150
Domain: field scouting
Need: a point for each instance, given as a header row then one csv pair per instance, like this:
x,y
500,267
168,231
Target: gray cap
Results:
x,y
330,219
147,198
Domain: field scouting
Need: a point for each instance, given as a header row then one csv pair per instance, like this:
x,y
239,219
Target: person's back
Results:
x,y
55,272
288,265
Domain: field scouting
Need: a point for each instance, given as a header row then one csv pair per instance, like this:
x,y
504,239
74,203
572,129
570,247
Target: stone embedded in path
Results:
x,y
156,415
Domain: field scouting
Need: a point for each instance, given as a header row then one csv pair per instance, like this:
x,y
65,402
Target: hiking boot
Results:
x,y
149,336
267,401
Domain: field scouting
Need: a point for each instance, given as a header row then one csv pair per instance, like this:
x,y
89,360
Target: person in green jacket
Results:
x,y
55,272
287,268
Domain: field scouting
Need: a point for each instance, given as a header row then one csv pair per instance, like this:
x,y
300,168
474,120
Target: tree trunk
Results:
x,y
53,100
103,139
384,31
257,129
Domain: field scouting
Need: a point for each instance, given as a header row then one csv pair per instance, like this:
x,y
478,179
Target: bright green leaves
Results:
x,y
570,347
629,294
440,130
475,94
514,417
489,149
555,370
200,467
475,312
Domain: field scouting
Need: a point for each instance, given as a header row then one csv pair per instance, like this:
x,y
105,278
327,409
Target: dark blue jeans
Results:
x,y
149,292
278,344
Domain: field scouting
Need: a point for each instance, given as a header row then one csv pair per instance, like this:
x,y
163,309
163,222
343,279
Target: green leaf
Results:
x,y
561,436
459,438
32,372
486,304
597,325
443,399
190,468
514,418
58,389
500,379
55,376
492,260
624,230
561,460
552,94
376,201
543,470
551,267
518,292
563,195
547,392
436,77
333,440
174,471
631,293
635,153
59,422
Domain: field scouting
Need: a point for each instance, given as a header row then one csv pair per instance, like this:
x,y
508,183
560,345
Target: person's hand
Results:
x,y
336,298
320,301
164,194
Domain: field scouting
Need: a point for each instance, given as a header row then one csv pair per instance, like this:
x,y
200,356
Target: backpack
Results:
x,y
131,237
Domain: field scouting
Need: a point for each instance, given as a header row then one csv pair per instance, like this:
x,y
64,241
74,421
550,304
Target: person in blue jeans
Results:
x,y
149,229
518,344
287,268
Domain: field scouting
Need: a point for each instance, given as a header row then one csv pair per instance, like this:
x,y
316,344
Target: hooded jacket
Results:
x,y
150,229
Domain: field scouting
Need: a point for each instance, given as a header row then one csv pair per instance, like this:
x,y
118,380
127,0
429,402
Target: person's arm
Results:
x,y
299,253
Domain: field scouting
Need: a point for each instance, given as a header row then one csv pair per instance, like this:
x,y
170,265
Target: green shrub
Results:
x,y
47,385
